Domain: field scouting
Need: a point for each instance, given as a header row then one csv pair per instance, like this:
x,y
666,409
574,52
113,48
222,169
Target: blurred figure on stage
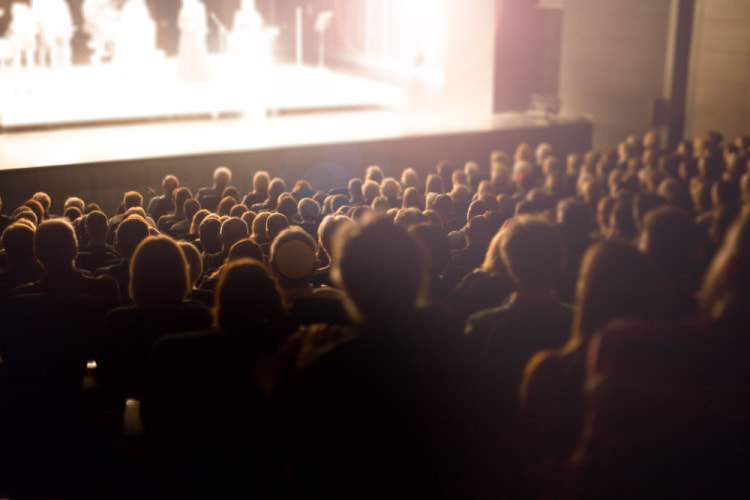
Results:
x,y
247,39
193,52
23,32
100,23
55,32
136,35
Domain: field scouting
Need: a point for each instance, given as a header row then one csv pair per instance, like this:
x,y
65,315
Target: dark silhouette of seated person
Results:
x,y
21,265
232,230
667,400
131,199
209,197
533,318
261,180
327,230
160,290
615,282
275,189
243,249
309,212
49,325
377,397
177,214
96,252
182,229
129,235
275,223
164,203
488,285
293,261
225,377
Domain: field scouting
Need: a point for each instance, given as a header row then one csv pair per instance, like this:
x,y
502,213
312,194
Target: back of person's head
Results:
x,y
132,199
222,177
382,269
232,192
459,177
287,206
670,240
355,189
380,204
43,199
434,184
374,173
614,282
245,249
479,232
91,207
338,201
170,183
302,189
275,188
408,217
533,251
225,205
370,190
249,218
248,299
443,205
197,219
194,261
37,208
181,195
477,207
96,225
129,235
410,178
74,201
261,180
55,245
259,234
308,209
412,198
72,214
232,230
390,189
436,244
18,242
293,257
208,233
327,230
24,212
190,208
275,224
159,273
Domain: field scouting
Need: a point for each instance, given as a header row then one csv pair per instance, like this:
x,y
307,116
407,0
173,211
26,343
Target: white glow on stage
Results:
x,y
109,93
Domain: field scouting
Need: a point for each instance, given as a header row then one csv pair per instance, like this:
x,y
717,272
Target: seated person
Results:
x,y
159,288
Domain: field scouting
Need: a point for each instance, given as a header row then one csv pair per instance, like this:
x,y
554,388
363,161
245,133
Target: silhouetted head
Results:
x,y
382,269
159,273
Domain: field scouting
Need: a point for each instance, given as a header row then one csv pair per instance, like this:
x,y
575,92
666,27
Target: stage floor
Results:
x,y
111,93
82,145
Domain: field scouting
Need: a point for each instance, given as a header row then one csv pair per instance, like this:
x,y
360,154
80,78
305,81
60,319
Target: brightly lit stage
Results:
x,y
327,148
111,93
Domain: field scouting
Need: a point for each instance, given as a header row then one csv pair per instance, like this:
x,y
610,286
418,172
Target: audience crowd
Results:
x,y
534,327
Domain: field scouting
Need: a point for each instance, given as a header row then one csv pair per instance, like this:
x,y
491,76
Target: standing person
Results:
x,y
56,32
23,31
192,54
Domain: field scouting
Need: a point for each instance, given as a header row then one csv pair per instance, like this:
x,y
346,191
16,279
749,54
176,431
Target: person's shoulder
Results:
x,y
485,318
